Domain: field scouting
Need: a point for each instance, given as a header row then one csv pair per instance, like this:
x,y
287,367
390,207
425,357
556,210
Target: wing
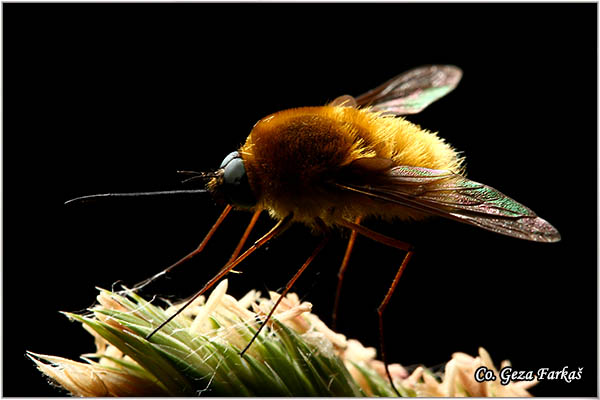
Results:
x,y
410,92
449,195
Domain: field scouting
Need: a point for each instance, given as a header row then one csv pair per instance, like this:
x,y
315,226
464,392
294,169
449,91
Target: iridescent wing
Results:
x,y
408,93
449,195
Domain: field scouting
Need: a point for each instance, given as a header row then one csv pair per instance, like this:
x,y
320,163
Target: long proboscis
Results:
x,y
101,196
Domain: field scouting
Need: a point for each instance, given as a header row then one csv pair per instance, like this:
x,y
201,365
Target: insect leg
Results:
x,y
382,308
200,247
388,241
276,230
376,236
238,249
286,290
341,275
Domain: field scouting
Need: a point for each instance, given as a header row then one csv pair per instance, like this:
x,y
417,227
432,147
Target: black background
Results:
x,y
118,97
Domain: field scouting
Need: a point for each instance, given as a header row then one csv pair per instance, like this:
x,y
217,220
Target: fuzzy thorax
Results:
x,y
292,158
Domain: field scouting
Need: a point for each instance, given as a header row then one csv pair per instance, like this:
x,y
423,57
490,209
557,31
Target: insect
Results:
x,y
355,158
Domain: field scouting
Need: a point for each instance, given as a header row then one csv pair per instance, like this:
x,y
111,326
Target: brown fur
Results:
x,y
292,156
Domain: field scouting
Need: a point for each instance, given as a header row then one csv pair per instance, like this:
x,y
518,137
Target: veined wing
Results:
x,y
409,92
446,194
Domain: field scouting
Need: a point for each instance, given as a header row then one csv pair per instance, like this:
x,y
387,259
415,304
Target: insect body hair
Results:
x,y
292,156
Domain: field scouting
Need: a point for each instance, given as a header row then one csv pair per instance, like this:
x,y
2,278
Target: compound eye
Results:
x,y
235,181
230,156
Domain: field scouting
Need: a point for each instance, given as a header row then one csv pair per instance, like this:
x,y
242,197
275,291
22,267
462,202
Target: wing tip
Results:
x,y
454,73
545,232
